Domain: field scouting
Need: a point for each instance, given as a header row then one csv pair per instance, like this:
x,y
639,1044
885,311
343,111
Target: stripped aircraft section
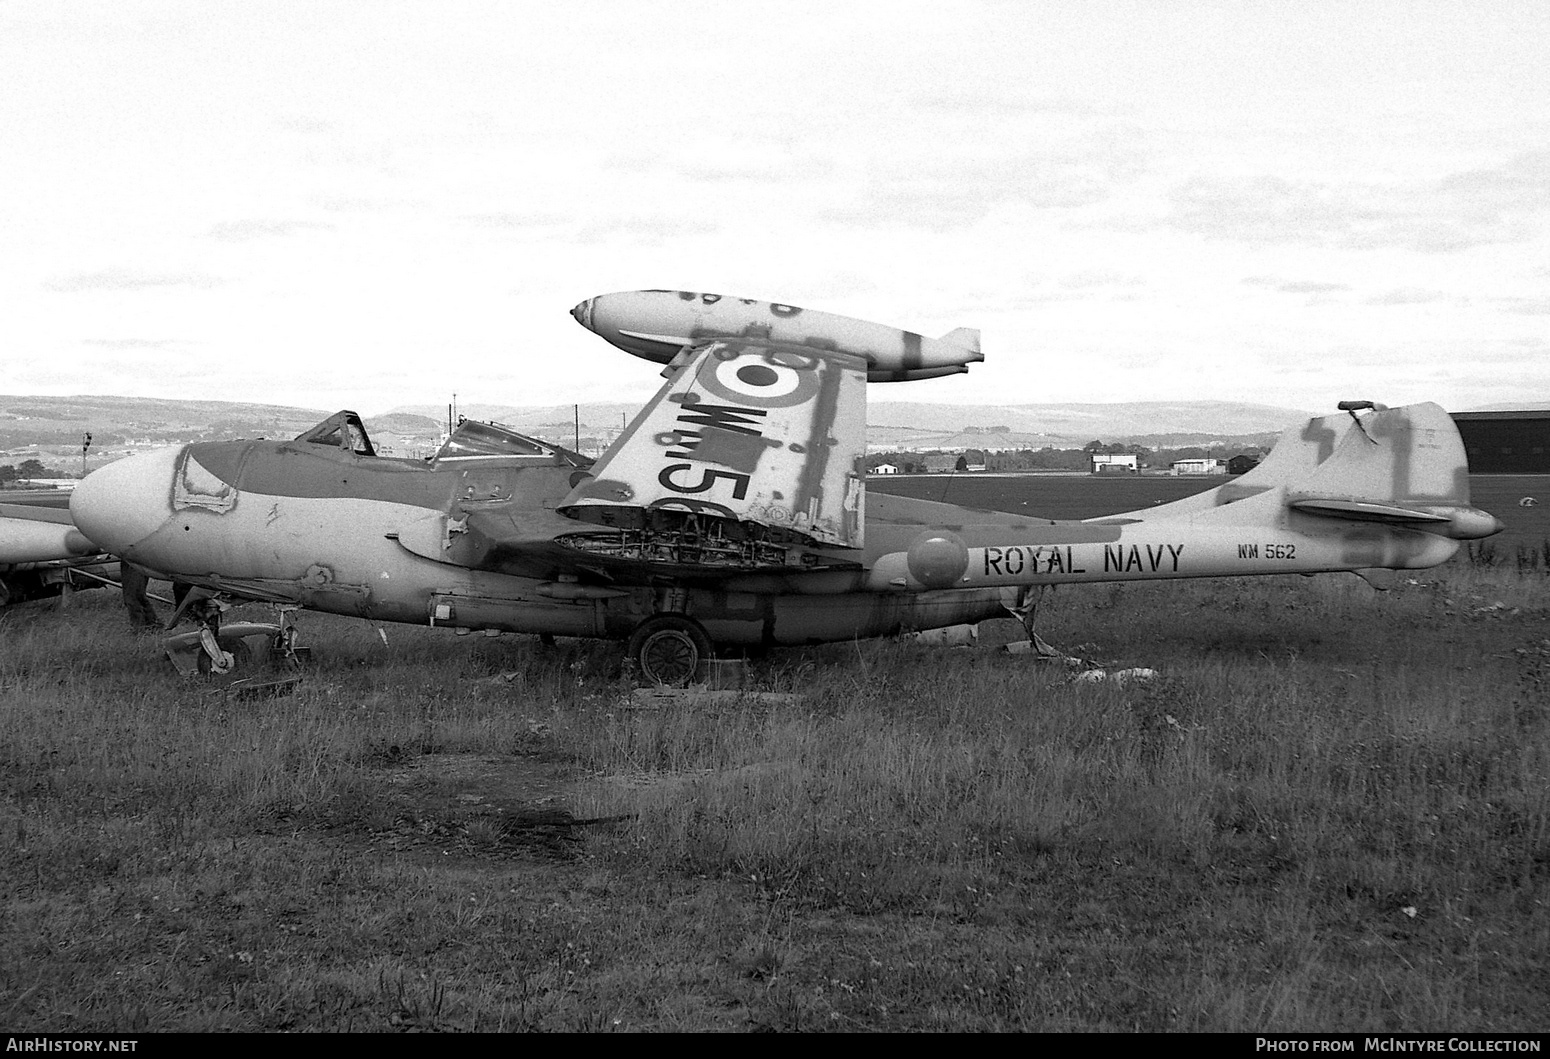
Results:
x,y
748,458
733,512
43,554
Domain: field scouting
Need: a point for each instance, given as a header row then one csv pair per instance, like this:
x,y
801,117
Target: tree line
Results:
x,y
30,469
1052,459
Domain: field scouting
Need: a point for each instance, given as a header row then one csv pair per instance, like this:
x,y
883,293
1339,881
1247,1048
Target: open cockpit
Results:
x,y
471,441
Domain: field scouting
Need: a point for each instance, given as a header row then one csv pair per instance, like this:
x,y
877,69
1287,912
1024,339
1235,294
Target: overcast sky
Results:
x,y
332,204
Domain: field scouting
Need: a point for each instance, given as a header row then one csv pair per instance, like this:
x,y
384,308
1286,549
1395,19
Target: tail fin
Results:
x,y
967,337
1403,466
1408,455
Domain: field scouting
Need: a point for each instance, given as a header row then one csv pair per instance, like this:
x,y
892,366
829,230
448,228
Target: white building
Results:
x,y
886,468
1112,463
1202,466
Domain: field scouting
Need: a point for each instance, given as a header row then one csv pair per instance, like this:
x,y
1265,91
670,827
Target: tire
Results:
x,y
241,658
668,650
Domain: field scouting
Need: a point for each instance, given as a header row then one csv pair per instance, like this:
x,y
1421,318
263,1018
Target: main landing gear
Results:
x,y
217,649
1023,604
669,649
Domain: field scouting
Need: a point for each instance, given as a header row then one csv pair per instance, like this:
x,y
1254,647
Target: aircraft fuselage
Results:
x,y
369,537
402,540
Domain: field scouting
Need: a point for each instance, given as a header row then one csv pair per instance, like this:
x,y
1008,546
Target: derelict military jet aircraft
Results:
x,y
733,510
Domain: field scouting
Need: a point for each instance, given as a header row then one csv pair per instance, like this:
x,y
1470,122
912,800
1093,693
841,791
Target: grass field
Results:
x,y
1329,812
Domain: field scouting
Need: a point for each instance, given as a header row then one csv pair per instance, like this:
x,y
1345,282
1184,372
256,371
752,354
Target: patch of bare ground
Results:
x,y
506,804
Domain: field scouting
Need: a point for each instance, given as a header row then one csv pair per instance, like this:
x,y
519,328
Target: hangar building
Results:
x,y
1506,442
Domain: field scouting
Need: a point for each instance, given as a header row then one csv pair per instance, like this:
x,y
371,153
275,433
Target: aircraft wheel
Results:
x,y
241,658
668,649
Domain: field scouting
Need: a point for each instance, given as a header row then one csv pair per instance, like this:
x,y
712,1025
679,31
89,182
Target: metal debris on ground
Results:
x,y
1039,651
1118,677
951,636
506,677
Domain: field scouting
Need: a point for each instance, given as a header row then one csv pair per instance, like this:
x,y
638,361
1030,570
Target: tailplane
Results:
x,y
1402,466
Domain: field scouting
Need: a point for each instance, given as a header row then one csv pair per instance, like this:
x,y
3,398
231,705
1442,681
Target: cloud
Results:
x,y
1095,278
365,203
1408,296
136,343
307,124
1296,286
515,220
1478,207
941,193
1002,105
127,279
652,231
1525,306
242,231
1262,209
771,160
939,176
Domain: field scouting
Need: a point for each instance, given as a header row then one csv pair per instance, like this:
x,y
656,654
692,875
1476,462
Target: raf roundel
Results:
x,y
759,378
757,375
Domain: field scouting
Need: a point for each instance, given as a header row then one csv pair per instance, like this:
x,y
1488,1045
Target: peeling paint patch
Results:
x,y
729,448
194,486
605,489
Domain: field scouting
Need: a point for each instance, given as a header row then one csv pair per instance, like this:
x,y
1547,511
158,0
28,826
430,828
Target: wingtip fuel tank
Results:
x,y
656,324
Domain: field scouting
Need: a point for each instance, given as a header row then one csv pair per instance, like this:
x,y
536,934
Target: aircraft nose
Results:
x,y
583,313
123,503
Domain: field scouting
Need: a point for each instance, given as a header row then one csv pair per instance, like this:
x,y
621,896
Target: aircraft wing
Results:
x,y
39,535
759,436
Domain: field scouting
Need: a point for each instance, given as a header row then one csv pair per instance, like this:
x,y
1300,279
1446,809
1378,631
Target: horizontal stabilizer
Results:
x,y
1401,467
1364,511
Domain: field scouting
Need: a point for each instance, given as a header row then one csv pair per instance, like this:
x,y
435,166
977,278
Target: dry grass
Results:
x,y
1330,812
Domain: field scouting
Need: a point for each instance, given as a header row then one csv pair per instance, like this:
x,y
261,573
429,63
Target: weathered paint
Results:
x,y
758,434
656,325
37,534
1257,536
746,431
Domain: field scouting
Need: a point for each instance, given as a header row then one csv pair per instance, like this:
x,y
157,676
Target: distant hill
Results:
x,y
905,438
58,422
557,420
405,423
108,411
1106,422
914,424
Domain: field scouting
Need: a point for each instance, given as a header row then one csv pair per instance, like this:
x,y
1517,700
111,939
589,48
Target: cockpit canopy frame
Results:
x,y
342,430
471,440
